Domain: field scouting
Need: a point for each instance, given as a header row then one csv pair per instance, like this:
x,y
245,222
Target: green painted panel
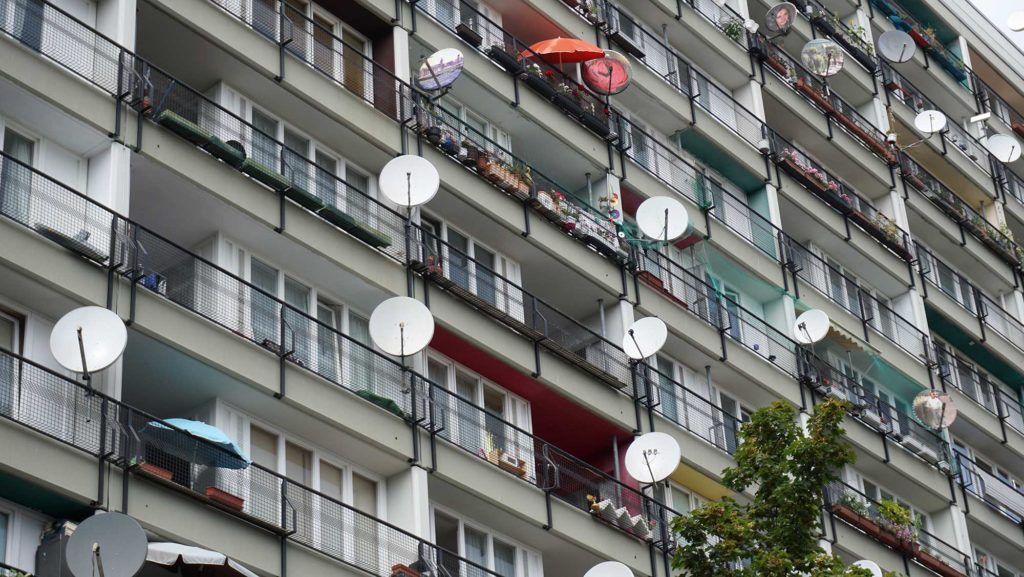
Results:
x,y
32,496
974,351
710,154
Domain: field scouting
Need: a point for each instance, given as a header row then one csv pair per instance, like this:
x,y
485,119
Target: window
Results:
x,y
16,179
476,128
482,547
876,493
730,427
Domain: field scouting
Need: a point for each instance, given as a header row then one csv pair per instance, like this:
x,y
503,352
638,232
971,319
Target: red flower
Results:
x,y
549,73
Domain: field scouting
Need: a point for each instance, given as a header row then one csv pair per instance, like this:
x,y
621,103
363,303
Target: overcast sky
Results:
x,y
997,11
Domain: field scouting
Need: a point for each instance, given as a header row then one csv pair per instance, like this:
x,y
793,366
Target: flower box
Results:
x,y
567,103
817,97
512,464
951,210
651,279
469,35
836,201
154,471
777,65
1017,127
930,561
867,525
540,85
914,181
920,39
224,498
509,62
597,123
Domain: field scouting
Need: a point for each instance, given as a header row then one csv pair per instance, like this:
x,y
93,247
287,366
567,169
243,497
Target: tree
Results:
x,y
776,534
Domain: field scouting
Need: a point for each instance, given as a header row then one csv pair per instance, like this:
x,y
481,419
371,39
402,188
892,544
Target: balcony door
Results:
x,y
10,340
731,426
15,178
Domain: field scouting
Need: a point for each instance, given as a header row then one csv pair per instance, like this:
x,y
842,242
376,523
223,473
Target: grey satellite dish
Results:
x,y
609,569
644,338
876,571
929,122
401,326
810,327
409,180
662,218
107,544
440,70
1004,148
935,409
1015,21
823,57
896,46
88,339
652,457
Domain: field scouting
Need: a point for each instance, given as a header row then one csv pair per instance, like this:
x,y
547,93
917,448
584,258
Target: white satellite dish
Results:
x,y
108,544
935,409
929,122
810,327
652,457
440,70
896,46
822,57
1004,148
644,338
88,339
876,571
401,326
662,218
409,180
1015,21
609,569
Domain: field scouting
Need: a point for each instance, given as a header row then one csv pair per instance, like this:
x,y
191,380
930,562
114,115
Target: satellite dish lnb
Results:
x,y
401,326
108,544
409,180
662,218
1004,148
810,327
88,339
929,122
652,457
935,409
609,569
896,46
440,70
1015,21
644,338
876,571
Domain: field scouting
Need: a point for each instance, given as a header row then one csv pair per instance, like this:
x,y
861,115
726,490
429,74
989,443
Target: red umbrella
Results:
x,y
564,50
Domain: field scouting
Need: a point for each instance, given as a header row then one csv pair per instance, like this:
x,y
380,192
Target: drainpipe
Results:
x,y
600,309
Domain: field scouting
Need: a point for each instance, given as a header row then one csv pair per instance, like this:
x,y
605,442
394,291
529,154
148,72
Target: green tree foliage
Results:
x,y
776,534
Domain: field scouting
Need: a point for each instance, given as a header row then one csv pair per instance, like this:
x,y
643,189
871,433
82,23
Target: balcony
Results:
x,y
990,101
861,512
926,41
998,493
854,43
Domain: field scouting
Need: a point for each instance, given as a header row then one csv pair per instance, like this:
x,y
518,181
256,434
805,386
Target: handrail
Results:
x,y
992,489
957,209
845,501
913,98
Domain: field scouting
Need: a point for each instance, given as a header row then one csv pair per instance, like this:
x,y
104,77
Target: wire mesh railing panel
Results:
x,y
1001,494
690,410
1010,407
723,17
252,148
992,102
721,105
846,36
62,38
825,278
964,376
658,56
951,283
1001,321
893,326
728,208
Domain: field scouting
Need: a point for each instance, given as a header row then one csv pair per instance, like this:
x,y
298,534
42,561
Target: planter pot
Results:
x,y
826,26
568,104
835,201
920,39
1017,127
469,35
224,498
507,61
933,563
915,181
596,123
892,86
540,85
651,279
472,155
154,471
951,210
776,65
860,219
818,98
432,134
449,147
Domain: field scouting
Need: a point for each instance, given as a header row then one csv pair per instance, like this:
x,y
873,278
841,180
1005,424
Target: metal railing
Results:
x,y
719,311
990,101
851,505
951,283
1000,494
840,196
1010,181
723,17
826,21
957,209
904,91
902,20
545,76
820,95
981,387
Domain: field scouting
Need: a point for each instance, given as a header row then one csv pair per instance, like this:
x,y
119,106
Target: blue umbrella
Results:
x,y
196,442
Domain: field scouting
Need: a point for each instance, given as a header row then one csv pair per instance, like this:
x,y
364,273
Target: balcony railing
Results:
x,y
855,44
957,209
862,512
875,413
543,76
163,268
841,197
938,52
847,293
990,101
984,389
721,313
954,134
1011,182
951,283
9,571
1001,494
818,93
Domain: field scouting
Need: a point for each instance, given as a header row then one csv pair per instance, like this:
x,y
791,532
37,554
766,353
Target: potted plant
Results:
x,y
428,117
595,117
566,98
732,27
922,37
448,143
472,154
898,521
540,80
510,62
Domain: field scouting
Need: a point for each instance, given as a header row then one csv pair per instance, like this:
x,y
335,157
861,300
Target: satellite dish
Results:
x,y
608,75
1004,148
935,409
810,327
609,569
652,457
401,326
409,180
876,571
440,70
929,122
1015,21
780,19
823,57
896,46
644,338
108,544
88,339
662,218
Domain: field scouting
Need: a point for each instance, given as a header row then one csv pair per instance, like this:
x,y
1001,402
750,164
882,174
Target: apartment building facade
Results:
x,y
208,170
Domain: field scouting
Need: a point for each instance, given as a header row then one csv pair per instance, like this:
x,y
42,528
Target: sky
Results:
x,y
997,11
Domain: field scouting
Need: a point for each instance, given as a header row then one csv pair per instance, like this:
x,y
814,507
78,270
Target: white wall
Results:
x,y
24,527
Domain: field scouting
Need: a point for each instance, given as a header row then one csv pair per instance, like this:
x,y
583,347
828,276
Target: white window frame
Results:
x,y
522,552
